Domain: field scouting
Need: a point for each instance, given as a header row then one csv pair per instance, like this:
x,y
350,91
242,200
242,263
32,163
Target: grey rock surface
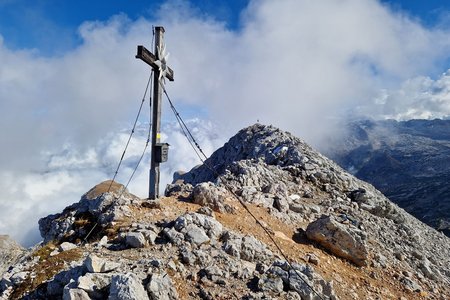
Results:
x,y
245,247
75,294
127,287
10,252
160,287
95,284
272,168
343,240
65,246
135,240
98,206
196,235
96,264
211,226
209,195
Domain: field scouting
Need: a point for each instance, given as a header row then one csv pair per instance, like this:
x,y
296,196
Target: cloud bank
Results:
x,y
70,172
299,65
417,98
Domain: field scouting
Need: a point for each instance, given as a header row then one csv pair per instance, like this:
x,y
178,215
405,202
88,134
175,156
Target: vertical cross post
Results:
x,y
158,62
156,119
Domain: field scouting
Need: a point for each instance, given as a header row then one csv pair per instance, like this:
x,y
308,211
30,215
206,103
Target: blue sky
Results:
x,y
51,26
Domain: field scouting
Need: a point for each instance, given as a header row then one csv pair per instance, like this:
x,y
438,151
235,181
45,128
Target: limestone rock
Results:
x,y
135,240
10,251
19,277
160,287
342,240
97,206
245,247
178,187
95,284
196,235
272,284
312,258
56,285
410,284
297,278
211,226
95,264
173,236
210,195
75,294
279,175
127,287
67,246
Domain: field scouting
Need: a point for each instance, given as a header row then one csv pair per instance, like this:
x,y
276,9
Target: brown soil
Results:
x,y
350,281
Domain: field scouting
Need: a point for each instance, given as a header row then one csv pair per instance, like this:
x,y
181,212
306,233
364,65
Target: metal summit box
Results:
x,y
161,152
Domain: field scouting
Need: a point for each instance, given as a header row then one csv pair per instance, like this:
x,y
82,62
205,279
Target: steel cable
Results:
x,y
229,189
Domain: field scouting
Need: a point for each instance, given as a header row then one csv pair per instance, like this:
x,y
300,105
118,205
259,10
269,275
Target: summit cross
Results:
x,y
161,71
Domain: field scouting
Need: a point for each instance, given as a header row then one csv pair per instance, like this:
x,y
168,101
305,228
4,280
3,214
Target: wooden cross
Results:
x,y
158,63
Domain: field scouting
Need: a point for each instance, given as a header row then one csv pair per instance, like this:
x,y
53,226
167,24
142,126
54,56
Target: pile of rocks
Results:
x,y
103,205
194,246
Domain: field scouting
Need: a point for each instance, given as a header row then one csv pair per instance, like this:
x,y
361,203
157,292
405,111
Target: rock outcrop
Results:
x,y
10,252
340,238
272,168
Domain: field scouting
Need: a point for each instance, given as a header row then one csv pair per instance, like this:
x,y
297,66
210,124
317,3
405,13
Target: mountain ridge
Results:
x,y
342,237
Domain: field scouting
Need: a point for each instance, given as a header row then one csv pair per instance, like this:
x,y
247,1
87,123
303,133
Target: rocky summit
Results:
x,y
265,217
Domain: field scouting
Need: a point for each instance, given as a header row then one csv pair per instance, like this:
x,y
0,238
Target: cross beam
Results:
x,y
158,65
150,59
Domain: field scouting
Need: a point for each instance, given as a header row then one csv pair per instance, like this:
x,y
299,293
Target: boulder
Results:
x,y
281,204
196,235
212,196
95,284
211,226
178,187
173,236
245,247
160,287
95,264
127,287
67,246
342,240
297,278
135,240
410,284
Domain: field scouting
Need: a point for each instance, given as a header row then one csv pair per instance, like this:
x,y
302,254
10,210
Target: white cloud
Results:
x,y
417,98
295,64
68,174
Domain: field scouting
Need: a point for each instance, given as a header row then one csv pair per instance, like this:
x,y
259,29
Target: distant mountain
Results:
x,y
408,161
